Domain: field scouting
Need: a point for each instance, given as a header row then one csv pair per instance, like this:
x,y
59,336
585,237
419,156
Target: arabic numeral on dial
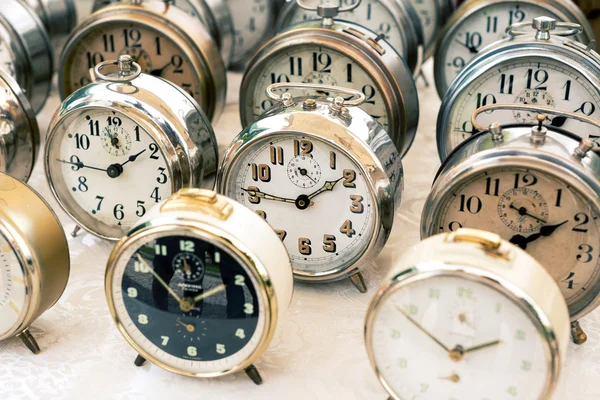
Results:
x,y
75,160
402,363
512,391
94,59
109,43
526,365
220,348
177,63
141,210
506,84
357,206
583,219
540,76
164,340
454,225
154,149
261,214
473,40
275,79
527,179
239,280
321,62
140,267
567,87
262,172
82,186
395,334
131,37
276,155
187,245
94,127
329,245
143,319
248,308
349,178
516,15
473,204
483,101
302,148
558,197
587,108
569,280
281,233
162,178
492,24
160,250
99,206
118,212
586,253
295,67
154,195
346,228
304,246
332,160
253,195
349,72
458,62
491,189
369,92
82,141
137,133
132,292
192,351
240,333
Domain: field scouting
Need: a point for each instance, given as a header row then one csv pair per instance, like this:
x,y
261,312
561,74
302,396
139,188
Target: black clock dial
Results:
x,y
190,298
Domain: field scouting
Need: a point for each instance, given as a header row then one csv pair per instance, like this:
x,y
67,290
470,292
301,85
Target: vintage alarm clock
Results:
x,y
19,131
163,39
26,51
467,315
397,21
34,259
536,186
477,24
433,14
336,53
540,68
58,16
119,146
198,285
324,174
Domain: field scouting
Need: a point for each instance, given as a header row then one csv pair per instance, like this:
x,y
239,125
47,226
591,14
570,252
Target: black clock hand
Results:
x,y
558,121
159,71
80,165
523,211
133,157
304,172
472,49
545,231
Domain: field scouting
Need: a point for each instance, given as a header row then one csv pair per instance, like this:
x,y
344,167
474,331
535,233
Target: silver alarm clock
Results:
x,y
58,16
540,67
479,23
538,187
119,146
324,174
336,53
26,51
397,21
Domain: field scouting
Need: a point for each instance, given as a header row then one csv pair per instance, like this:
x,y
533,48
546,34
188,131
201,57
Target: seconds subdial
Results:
x,y
523,210
190,266
115,140
304,171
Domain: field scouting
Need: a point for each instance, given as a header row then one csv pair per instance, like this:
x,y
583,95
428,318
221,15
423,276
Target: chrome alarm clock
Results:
x,y
336,53
119,146
254,24
58,16
198,286
26,51
540,68
163,39
433,14
479,23
536,186
467,315
396,21
215,15
324,174
19,131
34,259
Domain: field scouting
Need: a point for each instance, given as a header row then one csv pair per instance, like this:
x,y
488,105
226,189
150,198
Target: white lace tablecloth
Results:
x,y
318,353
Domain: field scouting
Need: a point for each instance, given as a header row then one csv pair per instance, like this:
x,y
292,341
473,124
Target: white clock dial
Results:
x,y
488,345
535,81
312,194
111,169
319,65
251,21
537,212
429,17
484,27
371,14
12,287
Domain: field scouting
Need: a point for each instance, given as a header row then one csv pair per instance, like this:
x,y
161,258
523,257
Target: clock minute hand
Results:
x,y
545,231
80,165
415,323
266,196
327,187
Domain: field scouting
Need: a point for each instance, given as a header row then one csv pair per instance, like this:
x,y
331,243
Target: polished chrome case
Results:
x,y
59,16
405,16
185,31
444,9
583,59
564,10
165,111
483,257
37,238
31,50
222,221
19,131
353,132
378,58
214,14
556,155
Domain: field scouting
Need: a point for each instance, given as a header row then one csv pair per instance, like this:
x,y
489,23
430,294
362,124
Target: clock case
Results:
x,y
58,16
546,44
351,131
553,150
565,9
168,113
482,257
231,226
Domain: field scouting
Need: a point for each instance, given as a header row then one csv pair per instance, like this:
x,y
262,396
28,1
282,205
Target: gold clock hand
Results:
x,y
328,186
266,196
159,279
188,327
482,346
423,330
209,293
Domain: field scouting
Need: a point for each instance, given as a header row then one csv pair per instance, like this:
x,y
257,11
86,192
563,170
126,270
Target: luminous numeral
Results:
x,y
240,333
143,319
239,280
164,340
220,348
192,351
160,250
132,292
187,245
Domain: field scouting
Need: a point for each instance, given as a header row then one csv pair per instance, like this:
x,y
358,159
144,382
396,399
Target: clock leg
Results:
x,y
422,76
29,341
139,361
358,281
76,231
577,333
253,374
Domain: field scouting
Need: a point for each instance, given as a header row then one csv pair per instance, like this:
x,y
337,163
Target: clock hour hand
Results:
x,y
545,231
469,47
266,196
80,165
133,157
327,187
482,346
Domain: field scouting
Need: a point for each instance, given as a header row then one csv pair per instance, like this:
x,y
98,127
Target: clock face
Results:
x,y
429,17
107,170
152,50
251,22
318,65
313,195
488,346
537,212
526,80
483,27
188,303
372,14
12,288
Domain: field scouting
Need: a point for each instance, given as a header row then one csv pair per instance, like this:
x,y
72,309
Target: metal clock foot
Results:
x,y
253,374
139,361
76,231
358,281
577,333
423,78
29,341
